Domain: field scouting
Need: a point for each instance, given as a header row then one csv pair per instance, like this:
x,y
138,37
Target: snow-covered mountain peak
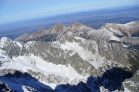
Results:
x,y
59,24
5,39
57,29
129,29
77,23
131,23
77,26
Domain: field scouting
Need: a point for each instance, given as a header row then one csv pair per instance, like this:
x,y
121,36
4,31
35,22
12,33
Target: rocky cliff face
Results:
x,y
69,55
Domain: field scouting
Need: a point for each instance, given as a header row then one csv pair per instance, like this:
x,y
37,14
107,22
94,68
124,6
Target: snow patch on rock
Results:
x,y
95,59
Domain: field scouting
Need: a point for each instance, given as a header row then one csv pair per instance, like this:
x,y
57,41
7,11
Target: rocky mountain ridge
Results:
x,y
109,31
69,55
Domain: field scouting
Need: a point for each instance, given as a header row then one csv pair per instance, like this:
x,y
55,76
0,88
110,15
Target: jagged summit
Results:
x,y
77,23
79,26
57,29
43,35
59,24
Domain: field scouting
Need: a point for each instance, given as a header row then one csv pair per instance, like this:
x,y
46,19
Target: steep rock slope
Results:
x,y
70,60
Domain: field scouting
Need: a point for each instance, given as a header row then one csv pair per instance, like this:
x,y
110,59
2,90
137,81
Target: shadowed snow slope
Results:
x,y
111,79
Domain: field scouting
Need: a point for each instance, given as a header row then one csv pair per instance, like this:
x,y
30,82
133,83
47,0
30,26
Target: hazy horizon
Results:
x,y
15,10
19,17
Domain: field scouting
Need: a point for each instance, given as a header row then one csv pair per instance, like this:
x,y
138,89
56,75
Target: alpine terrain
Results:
x,y
76,58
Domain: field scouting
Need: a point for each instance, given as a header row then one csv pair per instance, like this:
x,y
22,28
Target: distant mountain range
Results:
x,y
108,32
76,58
94,19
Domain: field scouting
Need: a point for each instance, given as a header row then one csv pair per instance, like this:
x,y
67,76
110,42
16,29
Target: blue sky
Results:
x,y
17,10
